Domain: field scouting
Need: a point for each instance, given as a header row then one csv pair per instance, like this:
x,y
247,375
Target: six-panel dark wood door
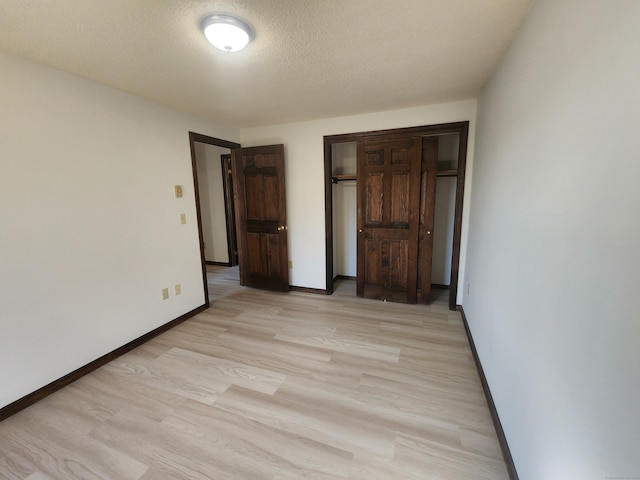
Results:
x,y
388,217
261,217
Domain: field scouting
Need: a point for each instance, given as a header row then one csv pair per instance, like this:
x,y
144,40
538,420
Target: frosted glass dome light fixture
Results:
x,y
226,32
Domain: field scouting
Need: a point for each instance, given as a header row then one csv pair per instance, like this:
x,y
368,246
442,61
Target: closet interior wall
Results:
x,y
448,146
343,157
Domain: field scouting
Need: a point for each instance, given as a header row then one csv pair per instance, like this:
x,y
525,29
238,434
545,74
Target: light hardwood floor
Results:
x,y
272,386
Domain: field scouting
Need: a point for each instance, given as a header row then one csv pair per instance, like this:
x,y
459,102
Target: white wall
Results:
x,y
304,169
90,229
212,206
553,255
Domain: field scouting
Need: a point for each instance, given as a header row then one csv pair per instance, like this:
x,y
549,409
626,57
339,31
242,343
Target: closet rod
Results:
x,y
342,178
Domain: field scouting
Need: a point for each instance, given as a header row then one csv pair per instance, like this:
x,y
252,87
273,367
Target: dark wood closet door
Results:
x,y
427,214
261,216
229,209
388,217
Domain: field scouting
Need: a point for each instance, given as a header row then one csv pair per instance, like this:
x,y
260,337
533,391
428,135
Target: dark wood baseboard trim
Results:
x,y
220,264
439,286
33,397
319,291
506,453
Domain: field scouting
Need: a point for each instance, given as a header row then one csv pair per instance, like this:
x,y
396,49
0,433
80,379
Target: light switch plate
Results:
x,y
165,293
178,190
183,218
178,288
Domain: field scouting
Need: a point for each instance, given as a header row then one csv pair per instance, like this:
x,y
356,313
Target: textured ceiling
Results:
x,y
309,58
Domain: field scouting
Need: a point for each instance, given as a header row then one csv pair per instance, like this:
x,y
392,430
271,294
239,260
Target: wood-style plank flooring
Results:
x,y
272,386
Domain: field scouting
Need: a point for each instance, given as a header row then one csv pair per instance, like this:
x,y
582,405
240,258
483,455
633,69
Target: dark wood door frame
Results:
x,y
461,128
193,139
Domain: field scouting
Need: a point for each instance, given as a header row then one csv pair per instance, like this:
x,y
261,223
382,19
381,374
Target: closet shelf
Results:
x,y
342,178
448,173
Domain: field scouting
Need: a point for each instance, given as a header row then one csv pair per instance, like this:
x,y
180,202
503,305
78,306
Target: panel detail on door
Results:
x,y
388,215
400,194
375,194
261,217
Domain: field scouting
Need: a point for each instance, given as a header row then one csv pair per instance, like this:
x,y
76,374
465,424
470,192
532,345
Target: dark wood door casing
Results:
x,y
461,128
259,183
388,217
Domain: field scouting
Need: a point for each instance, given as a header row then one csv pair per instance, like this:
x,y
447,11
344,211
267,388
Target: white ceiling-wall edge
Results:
x,y
354,112
455,111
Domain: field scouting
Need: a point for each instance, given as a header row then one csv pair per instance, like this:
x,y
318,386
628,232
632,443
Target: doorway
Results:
x,y
256,175
216,204
340,183
211,208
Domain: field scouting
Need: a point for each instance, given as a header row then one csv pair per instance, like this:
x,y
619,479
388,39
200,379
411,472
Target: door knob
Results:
x,y
360,231
428,232
281,228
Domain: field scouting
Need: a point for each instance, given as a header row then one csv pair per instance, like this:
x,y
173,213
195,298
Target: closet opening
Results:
x,y
341,204
445,207
343,191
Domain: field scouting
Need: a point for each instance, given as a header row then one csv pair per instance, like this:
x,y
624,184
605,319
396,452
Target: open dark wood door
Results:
x,y
261,217
388,217
229,209
428,179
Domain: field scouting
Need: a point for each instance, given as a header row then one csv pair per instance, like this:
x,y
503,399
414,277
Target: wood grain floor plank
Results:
x,y
223,371
39,476
445,462
167,451
13,465
308,419
280,449
58,454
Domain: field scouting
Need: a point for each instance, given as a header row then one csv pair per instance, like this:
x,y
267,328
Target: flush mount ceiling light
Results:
x,y
226,32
